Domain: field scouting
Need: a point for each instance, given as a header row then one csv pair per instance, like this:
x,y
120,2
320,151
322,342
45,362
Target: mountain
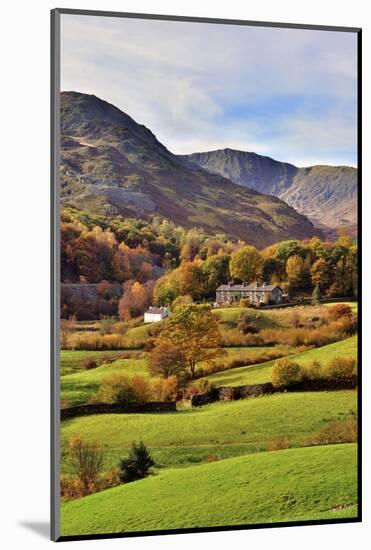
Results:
x,y
327,195
112,165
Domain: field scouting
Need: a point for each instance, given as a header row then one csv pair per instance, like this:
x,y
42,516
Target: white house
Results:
x,y
154,314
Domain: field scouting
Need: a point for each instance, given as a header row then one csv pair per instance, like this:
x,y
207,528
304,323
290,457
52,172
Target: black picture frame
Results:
x,y
55,268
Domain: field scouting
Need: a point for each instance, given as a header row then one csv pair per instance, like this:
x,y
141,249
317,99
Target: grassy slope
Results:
x,y
78,385
261,373
222,429
71,360
294,484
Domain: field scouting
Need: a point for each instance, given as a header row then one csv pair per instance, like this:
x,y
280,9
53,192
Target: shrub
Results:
x,y
244,302
106,325
338,431
202,386
278,444
88,363
340,368
137,465
339,310
212,458
164,389
312,371
118,388
72,487
285,373
97,342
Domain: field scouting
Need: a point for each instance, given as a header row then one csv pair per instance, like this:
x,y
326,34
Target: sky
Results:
x,y
290,94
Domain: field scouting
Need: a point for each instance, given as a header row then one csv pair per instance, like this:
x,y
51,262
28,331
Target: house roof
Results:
x,y
254,287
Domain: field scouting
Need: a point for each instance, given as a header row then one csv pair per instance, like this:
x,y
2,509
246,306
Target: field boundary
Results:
x,y
233,393
107,408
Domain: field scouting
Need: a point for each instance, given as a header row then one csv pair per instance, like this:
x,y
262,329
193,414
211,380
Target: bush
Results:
x,y
97,342
118,388
72,487
164,389
245,302
338,431
338,311
88,363
278,444
340,368
202,386
285,373
137,465
312,371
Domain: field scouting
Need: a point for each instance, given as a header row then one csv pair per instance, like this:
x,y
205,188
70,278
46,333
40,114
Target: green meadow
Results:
x,y
214,465
218,430
257,374
287,485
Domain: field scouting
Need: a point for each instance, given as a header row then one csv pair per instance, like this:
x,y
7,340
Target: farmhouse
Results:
x,y
257,293
154,314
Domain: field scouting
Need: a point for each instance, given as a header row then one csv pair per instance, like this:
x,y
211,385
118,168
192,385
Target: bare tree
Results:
x,y
86,460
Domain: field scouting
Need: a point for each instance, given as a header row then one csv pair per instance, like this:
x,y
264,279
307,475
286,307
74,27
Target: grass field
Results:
x,y
71,360
261,373
289,485
78,386
221,429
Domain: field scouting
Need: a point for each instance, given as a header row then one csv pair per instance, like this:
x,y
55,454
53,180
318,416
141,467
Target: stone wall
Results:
x,y
233,393
105,408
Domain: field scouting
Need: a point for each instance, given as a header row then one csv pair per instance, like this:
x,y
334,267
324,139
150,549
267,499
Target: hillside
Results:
x,y
112,165
289,485
192,435
327,195
258,374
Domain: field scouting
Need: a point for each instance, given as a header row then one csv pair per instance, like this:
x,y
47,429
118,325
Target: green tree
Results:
x,y
290,248
195,331
246,264
137,465
216,271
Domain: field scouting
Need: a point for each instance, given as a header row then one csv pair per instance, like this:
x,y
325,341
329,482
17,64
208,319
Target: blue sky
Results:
x,y
286,93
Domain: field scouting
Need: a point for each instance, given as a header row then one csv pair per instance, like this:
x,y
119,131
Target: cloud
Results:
x,y
288,93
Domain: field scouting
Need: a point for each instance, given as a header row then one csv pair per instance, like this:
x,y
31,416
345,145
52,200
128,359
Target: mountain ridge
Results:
x,y
111,164
326,194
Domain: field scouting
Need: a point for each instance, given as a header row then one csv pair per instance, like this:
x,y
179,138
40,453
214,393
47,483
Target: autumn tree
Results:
x,y
320,273
166,359
295,271
86,461
246,264
195,331
136,297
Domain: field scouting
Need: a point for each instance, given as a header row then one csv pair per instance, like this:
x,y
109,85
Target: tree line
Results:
x,y
158,262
